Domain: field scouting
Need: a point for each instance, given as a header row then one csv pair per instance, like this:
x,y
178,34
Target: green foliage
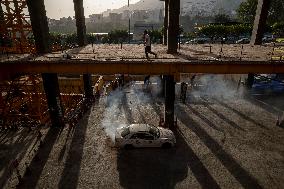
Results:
x,y
117,36
190,35
247,10
278,28
222,18
55,38
71,38
221,30
156,35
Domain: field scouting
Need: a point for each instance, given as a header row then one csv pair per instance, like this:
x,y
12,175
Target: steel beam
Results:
x,y
42,40
169,101
173,26
139,68
260,21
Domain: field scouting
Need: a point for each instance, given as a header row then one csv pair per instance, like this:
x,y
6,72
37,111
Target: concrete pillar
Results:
x,y
163,83
87,78
173,26
81,37
260,21
2,23
250,80
39,26
50,80
166,21
51,88
169,101
80,22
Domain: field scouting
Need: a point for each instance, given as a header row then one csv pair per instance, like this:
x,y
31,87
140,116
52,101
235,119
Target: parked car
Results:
x,y
243,41
199,40
268,39
144,135
268,84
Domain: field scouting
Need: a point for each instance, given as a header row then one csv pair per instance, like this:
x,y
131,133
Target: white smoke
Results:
x,y
216,86
113,118
122,106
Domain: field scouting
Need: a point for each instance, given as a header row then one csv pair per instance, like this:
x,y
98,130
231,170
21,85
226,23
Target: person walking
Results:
x,y
147,44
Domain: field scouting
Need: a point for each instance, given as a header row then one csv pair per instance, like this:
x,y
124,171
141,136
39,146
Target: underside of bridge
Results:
x,y
86,61
45,86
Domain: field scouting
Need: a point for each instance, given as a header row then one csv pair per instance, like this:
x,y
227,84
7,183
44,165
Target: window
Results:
x,y
143,136
125,132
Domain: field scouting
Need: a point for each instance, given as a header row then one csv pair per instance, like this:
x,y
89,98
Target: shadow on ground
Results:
x,y
20,146
241,174
70,176
161,168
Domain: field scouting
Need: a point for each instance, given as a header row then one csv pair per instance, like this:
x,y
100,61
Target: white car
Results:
x,y
144,135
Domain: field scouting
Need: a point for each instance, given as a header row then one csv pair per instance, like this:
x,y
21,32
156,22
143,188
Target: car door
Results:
x,y
135,140
148,140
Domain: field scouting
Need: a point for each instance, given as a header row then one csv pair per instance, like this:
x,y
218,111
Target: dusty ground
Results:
x,y
222,142
135,52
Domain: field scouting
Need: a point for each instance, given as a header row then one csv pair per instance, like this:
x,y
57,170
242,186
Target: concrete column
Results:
x,y
169,101
2,22
80,22
39,26
163,83
173,26
166,21
51,88
87,78
2,19
81,36
260,21
50,80
250,80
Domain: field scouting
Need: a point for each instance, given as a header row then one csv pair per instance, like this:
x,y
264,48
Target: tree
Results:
x,y
247,10
156,35
278,28
220,30
222,18
213,31
117,36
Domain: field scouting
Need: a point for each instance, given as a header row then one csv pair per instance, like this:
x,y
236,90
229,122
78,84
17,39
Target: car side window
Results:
x,y
134,136
146,136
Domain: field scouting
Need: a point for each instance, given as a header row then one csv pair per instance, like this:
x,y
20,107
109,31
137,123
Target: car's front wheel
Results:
x,y
166,145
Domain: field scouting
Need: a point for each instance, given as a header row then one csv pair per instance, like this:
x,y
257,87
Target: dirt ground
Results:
x,y
222,142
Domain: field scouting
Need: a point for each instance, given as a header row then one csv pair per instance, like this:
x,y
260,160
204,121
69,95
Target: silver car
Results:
x,y
144,135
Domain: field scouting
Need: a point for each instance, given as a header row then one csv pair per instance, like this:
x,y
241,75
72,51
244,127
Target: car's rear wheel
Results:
x,y
128,146
166,145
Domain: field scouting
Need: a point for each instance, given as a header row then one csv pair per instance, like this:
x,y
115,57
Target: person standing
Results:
x,y
147,44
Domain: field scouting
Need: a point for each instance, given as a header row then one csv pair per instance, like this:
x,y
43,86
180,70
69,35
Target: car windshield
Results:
x,y
154,131
125,132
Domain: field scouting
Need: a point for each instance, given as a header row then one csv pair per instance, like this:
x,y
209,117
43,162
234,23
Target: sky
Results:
x,y
64,8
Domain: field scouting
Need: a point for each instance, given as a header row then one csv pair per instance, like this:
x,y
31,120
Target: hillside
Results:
x,y
192,7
